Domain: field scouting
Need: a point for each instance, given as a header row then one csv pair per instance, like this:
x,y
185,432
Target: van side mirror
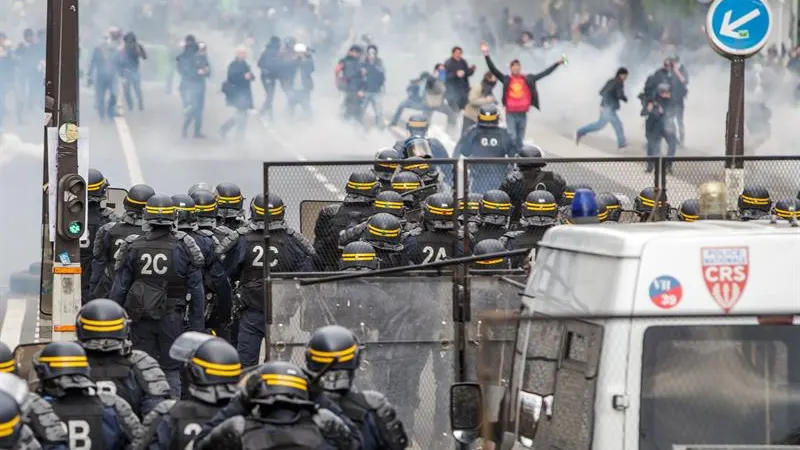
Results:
x,y
23,356
466,408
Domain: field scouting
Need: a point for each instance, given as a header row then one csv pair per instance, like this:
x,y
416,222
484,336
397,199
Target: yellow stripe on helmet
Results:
x,y
220,370
439,211
490,261
96,186
8,366
388,205
540,206
206,208
186,208
488,116
229,200
754,200
405,186
329,357
381,232
417,167
786,214
351,257
285,380
688,217
135,202
160,209
361,186
7,428
498,206
417,124
101,326
389,165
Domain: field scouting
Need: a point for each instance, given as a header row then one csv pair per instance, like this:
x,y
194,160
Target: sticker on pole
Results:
x,y
725,271
738,28
666,292
68,133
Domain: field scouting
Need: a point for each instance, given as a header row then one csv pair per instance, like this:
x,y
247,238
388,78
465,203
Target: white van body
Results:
x,y
699,268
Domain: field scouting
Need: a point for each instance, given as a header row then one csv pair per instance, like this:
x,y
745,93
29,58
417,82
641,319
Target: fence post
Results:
x,y
267,279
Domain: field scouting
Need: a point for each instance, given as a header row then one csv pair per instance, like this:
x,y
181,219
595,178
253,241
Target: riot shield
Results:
x,y
406,328
309,211
490,293
114,200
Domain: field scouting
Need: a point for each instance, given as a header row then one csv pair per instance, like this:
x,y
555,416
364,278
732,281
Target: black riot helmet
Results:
x,y
208,360
96,186
159,210
7,362
59,359
185,211
390,202
229,200
495,207
417,125
417,146
646,201
102,318
539,210
202,186
137,198
358,255
689,211
569,193
362,184
472,208
383,231
10,421
405,181
385,163
281,382
787,209
488,116
205,204
612,206
257,211
531,151
754,203
486,247
439,211
336,348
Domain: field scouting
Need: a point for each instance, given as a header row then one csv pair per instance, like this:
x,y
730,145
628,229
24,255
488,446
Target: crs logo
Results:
x,y
725,271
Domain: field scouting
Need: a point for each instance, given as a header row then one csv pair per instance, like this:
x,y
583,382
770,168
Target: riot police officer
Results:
x,y
373,415
612,205
159,276
14,433
97,216
230,211
495,215
539,214
384,232
487,247
420,147
788,209
213,368
111,236
389,202
103,330
528,177
486,140
417,126
384,166
403,183
358,255
438,239
36,412
470,211
94,420
689,211
361,189
648,208
275,411
754,203
288,251
225,241
660,124
421,168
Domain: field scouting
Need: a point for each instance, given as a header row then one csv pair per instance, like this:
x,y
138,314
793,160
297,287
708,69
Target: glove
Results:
x,y
226,435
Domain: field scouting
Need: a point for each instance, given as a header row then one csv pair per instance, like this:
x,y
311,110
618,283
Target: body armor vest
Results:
x,y
187,419
111,373
349,215
529,238
437,245
156,265
83,417
116,237
260,434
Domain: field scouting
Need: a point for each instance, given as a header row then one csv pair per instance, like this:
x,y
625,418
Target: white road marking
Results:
x,y
11,333
129,150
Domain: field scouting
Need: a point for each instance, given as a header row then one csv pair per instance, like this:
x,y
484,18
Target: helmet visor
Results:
x,y
14,386
420,148
184,348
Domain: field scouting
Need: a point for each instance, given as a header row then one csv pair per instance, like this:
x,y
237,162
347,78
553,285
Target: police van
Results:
x,y
652,336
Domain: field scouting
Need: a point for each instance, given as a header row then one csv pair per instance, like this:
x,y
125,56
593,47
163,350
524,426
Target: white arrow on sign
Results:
x,y
728,28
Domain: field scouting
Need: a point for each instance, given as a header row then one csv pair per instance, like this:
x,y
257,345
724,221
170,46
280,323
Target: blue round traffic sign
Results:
x,y
666,292
738,27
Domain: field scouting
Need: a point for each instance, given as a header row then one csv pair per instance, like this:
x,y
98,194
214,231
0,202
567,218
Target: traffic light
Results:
x,y
71,205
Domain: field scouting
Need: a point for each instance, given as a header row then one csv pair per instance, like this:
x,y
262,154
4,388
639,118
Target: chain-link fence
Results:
x,y
710,382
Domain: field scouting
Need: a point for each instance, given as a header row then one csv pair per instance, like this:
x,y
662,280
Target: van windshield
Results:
x,y
720,385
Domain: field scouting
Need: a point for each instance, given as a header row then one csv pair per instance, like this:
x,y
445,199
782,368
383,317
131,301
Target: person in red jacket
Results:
x,y
519,92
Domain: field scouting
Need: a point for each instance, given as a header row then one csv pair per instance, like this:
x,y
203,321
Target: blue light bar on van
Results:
x,y
584,207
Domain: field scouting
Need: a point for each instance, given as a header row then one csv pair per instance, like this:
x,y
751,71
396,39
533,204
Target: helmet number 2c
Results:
x,y
157,263
258,261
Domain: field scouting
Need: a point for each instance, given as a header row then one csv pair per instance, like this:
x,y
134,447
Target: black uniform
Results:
x,y
288,251
495,215
539,213
97,216
160,275
438,239
660,124
528,177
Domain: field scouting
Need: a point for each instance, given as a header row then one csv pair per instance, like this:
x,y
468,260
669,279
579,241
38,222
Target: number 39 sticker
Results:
x,y
666,292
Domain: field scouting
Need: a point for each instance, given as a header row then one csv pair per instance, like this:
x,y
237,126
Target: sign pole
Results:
x,y
737,30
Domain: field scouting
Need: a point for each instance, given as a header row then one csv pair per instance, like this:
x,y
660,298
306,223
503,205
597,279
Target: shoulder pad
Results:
x,y
301,240
374,399
243,230
151,374
155,415
195,252
126,418
41,416
333,428
27,440
119,256
206,233
227,243
416,231
97,250
131,238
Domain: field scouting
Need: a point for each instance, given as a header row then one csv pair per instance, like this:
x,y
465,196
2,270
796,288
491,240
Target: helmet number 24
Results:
x,y
433,255
258,261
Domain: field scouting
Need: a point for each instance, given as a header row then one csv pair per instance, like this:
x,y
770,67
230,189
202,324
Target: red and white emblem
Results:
x,y
725,270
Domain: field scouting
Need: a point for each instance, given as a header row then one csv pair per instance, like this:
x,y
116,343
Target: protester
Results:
x,y
612,93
